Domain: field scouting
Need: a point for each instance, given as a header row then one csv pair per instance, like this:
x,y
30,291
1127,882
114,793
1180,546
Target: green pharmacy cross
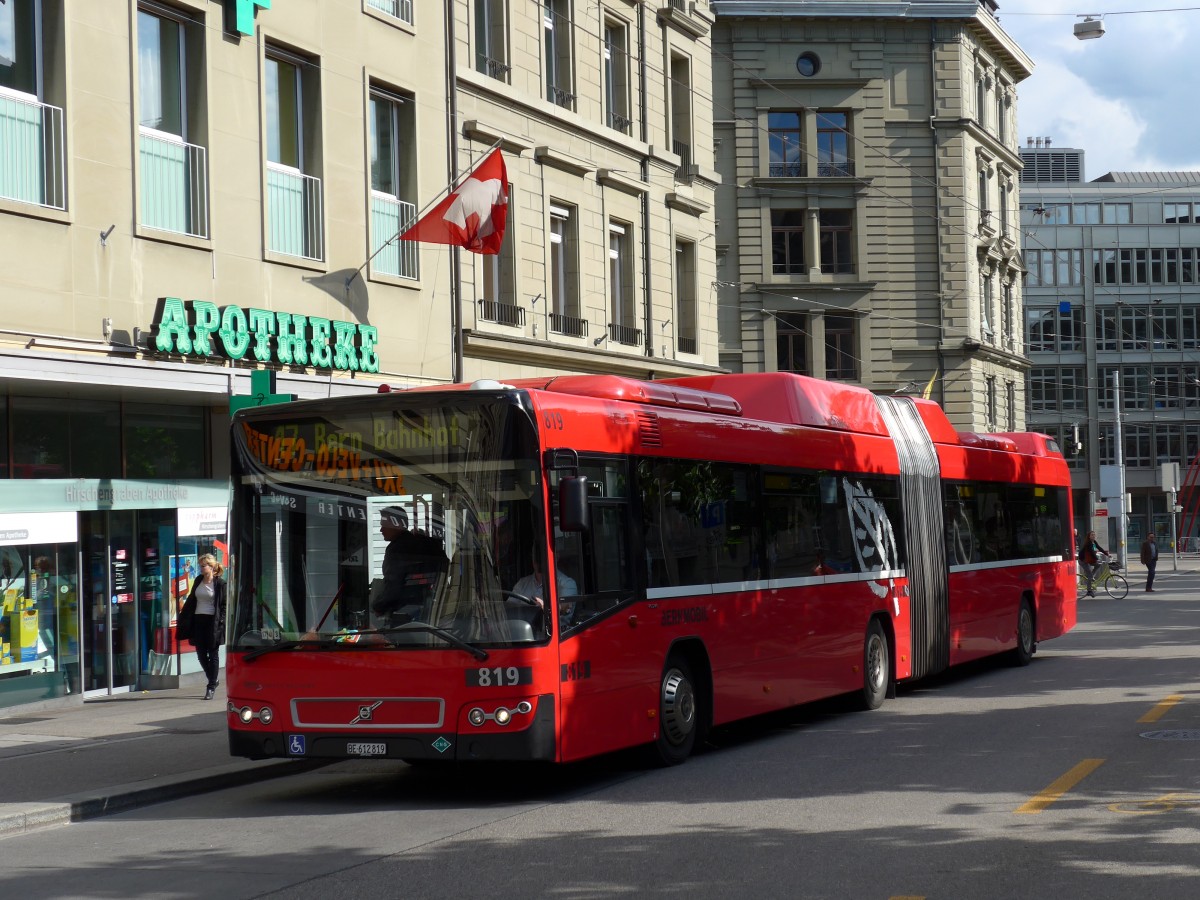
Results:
x,y
262,392
243,13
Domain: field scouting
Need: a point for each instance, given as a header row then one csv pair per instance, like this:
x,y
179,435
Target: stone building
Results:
x,y
868,210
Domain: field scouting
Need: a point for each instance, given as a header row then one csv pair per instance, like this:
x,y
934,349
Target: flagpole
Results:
x,y
424,209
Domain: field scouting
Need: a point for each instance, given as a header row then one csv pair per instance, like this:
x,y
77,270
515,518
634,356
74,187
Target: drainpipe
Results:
x,y
937,215
456,324
648,328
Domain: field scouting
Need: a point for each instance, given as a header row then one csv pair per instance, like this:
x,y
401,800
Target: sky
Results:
x,y
1127,99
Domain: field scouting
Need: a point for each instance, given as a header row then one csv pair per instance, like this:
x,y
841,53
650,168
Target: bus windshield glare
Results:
x,y
385,525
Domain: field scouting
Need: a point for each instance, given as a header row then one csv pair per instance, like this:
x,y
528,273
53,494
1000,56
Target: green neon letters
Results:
x,y
201,329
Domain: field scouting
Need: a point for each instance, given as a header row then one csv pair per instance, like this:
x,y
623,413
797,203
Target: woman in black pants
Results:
x,y
202,619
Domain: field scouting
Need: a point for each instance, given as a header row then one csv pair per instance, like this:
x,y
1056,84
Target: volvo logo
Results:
x,y
365,712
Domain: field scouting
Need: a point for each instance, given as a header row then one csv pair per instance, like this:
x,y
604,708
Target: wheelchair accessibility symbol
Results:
x,y
1165,804
296,744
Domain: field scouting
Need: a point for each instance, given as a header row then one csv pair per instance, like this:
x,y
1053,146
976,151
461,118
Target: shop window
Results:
x,y
39,618
55,438
164,441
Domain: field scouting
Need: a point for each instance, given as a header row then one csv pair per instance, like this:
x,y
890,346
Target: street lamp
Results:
x,y
1119,459
1089,29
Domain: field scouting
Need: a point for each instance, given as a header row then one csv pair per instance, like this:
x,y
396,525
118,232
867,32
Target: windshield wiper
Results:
x,y
448,636
282,645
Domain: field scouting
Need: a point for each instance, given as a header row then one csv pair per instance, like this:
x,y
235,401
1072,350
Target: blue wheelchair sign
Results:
x,y
296,744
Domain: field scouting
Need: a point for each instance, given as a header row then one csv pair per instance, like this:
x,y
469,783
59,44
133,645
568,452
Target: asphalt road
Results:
x,y
1078,776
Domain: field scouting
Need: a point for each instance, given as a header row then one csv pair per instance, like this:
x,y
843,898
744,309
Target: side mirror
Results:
x,y
573,503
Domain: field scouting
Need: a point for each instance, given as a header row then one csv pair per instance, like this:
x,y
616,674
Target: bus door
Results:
x,y
602,658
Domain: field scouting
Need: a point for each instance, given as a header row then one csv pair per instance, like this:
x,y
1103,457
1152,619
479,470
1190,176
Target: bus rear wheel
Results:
x,y
876,667
678,713
1022,654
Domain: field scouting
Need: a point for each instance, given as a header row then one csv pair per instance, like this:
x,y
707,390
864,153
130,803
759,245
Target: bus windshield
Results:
x,y
396,523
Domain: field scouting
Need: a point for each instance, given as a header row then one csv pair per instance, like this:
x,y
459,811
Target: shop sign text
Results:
x,y
201,329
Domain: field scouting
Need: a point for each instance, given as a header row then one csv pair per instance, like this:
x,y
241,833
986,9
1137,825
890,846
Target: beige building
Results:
x,y
601,109
868,216
192,191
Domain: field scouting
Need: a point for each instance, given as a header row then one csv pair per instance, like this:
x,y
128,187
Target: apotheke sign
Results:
x,y
200,329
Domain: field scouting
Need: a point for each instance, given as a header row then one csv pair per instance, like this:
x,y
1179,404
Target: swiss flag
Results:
x,y
473,215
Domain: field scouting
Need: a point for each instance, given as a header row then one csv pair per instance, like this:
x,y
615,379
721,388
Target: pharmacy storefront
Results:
x,y
92,578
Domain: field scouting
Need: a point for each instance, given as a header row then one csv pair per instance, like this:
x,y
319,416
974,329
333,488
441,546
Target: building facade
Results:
x,y
868,216
1112,325
199,201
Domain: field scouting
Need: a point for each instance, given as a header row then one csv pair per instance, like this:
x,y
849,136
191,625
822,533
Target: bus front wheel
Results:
x,y
876,667
678,713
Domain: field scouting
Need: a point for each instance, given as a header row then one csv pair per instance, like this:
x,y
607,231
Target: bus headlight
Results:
x,y
265,715
246,714
502,715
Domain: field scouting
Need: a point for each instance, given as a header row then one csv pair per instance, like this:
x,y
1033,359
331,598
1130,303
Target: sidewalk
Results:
x,y
117,753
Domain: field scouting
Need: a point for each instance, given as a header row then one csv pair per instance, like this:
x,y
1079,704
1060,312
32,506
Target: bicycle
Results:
x,y
1108,576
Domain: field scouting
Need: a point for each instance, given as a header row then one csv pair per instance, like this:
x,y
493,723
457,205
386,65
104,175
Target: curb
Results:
x,y
22,818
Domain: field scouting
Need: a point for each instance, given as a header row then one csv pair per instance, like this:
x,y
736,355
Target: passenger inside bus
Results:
x,y
413,565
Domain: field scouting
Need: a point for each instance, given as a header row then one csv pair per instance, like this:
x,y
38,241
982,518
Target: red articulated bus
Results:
x,y
561,567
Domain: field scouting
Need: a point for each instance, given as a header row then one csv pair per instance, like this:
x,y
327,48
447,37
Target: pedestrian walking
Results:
x,y
202,619
1150,560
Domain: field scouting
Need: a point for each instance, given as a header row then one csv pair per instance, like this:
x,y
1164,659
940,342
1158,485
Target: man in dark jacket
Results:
x,y
1150,560
412,564
1089,560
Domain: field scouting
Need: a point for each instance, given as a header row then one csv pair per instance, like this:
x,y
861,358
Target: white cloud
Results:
x,y
1125,99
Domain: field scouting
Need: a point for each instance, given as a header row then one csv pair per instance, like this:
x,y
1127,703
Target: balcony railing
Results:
x,y
625,334
788,170
32,168
400,9
571,326
492,68
502,313
684,152
560,96
174,184
389,217
687,345
619,122
295,213
840,168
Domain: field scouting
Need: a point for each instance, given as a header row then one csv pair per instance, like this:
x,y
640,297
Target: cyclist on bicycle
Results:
x,y
1091,558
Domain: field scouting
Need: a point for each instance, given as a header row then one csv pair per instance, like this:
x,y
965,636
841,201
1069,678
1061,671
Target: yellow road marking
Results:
x,y
1165,803
906,897
1160,709
1059,786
